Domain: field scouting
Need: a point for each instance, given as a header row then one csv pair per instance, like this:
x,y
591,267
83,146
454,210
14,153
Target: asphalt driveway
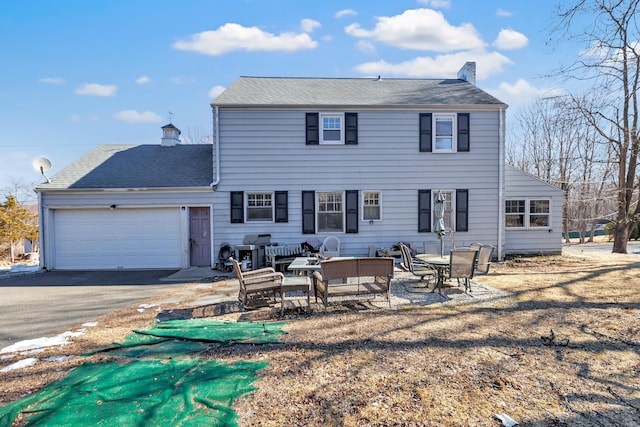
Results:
x,y
46,304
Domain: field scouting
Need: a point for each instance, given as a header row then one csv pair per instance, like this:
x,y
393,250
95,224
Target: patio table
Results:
x,y
440,264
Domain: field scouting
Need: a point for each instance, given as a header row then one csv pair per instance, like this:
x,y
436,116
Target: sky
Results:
x,y
77,73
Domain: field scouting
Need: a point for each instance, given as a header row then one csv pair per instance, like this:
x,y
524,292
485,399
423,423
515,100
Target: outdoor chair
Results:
x,y
485,253
258,288
462,264
417,267
330,247
432,247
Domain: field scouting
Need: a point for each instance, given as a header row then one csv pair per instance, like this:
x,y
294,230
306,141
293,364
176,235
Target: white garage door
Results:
x,y
118,238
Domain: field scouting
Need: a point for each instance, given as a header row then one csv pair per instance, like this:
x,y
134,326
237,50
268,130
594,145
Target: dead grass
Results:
x,y
563,350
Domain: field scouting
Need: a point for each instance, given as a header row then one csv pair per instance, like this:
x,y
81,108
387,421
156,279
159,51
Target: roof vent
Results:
x,y
170,135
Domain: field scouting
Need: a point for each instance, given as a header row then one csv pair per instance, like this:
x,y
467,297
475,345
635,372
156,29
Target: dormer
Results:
x,y
170,135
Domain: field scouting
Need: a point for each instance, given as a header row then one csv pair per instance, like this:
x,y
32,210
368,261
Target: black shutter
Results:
x,y
463,131
424,211
313,135
462,210
352,210
351,128
425,132
282,206
308,212
237,207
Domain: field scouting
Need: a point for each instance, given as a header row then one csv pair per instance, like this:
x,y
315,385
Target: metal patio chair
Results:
x,y
462,265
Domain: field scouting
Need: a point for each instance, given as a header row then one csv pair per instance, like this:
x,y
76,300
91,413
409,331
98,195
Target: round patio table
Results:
x,y
440,264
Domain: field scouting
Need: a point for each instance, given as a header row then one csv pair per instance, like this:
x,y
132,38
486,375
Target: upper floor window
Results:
x,y
259,207
527,213
444,132
371,206
331,128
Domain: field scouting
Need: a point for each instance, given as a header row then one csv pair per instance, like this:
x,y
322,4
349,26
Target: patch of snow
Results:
x,y
38,343
7,356
57,358
30,352
90,324
24,363
147,305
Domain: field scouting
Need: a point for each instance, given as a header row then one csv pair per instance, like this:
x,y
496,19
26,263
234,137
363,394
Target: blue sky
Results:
x,y
78,73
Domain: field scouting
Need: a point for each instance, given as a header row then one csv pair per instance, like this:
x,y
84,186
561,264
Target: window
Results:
x,y
331,128
445,129
330,212
371,208
443,132
527,213
259,207
538,213
456,210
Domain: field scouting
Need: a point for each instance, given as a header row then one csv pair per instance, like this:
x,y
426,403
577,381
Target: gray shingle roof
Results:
x,y
286,91
137,166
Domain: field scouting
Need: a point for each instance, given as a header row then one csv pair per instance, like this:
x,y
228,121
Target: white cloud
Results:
x,y
95,89
420,29
52,80
216,91
503,13
365,46
133,116
143,80
438,4
488,64
345,12
522,92
231,37
308,25
509,39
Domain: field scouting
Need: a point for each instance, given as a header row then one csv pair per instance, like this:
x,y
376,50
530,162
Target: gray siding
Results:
x,y
264,150
520,185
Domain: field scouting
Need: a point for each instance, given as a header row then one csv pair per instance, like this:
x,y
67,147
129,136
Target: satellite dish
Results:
x,y
42,164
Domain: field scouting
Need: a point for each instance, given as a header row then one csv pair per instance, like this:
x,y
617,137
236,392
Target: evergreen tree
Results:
x,y
16,223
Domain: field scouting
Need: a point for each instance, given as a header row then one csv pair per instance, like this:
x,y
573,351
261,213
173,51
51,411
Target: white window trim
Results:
x,y
246,207
362,205
454,130
434,194
344,212
321,115
527,213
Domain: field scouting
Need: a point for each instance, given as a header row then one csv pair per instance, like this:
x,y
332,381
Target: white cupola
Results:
x,y
170,135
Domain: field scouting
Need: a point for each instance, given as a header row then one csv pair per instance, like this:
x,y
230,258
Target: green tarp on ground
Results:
x,y
140,393
169,389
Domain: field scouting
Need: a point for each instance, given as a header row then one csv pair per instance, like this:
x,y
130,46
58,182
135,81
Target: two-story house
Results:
x,y
302,159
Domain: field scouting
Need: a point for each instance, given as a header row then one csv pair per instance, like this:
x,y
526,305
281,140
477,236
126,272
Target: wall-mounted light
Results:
x,y
112,207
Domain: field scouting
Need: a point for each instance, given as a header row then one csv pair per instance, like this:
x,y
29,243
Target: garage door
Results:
x,y
118,238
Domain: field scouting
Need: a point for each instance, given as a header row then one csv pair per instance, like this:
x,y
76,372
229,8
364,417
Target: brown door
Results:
x,y
199,236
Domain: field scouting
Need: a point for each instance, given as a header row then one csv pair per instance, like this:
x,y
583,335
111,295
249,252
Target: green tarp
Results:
x,y
140,393
161,387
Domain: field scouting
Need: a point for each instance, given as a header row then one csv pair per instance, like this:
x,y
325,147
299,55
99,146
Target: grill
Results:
x,y
252,248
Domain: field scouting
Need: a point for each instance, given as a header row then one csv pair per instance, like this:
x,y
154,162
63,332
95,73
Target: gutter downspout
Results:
x,y
41,231
216,143
501,149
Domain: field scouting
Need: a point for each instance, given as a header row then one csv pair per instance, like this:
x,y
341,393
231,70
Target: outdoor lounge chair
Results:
x,y
462,264
330,247
258,288
417,267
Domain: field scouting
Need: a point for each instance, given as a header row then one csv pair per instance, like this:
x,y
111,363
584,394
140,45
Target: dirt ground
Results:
x,y
562,349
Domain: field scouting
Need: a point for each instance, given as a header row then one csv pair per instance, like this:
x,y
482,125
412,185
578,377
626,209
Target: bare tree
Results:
x,y
610,63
